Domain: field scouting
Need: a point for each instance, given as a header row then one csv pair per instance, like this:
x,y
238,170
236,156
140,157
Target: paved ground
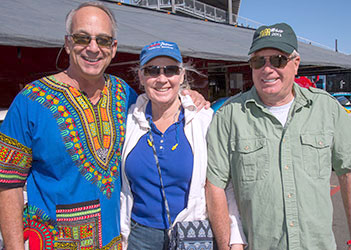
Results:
x,y
339,222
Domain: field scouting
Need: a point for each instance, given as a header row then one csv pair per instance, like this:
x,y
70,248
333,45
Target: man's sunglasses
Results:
x,y
83,39
277,61
155,71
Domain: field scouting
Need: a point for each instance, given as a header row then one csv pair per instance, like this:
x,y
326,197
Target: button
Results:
x,y
286,167
283,139
161,147
289,195
320,143
161,141
291,224
247,148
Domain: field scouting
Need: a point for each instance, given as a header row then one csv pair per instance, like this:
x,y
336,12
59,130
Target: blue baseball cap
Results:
x,y
160,48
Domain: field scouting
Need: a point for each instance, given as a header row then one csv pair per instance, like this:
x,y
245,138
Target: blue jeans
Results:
x,y
147,238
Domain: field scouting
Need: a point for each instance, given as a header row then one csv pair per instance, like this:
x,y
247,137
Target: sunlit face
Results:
x,y
162,89
274,85
90,61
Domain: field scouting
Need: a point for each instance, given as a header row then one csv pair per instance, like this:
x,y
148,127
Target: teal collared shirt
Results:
x,y
281,173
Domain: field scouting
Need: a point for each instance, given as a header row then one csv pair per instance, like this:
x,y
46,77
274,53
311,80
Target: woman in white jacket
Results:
x,y
170,122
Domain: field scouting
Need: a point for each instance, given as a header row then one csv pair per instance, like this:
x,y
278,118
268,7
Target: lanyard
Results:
x,y
151,144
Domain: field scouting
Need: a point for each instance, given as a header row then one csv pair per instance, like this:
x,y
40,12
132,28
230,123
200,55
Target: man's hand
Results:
x,y
345,188
237,247
197,98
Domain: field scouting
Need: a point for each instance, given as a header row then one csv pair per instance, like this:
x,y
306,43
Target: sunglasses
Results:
x,y
83,39
155,71
277,61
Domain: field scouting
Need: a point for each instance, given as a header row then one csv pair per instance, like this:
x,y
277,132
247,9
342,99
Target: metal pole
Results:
x,y
336,45
158,4
173,6
230,11
227,82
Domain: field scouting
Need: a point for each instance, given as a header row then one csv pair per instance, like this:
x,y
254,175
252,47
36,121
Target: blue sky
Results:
x,y
321,21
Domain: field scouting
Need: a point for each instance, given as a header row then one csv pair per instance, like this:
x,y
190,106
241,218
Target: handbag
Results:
x,y
185,235
192,235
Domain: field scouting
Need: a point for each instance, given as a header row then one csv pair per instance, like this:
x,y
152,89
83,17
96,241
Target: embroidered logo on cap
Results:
x,y
161,45
271,32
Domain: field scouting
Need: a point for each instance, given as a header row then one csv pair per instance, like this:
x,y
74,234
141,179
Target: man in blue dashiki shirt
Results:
x,y
64,134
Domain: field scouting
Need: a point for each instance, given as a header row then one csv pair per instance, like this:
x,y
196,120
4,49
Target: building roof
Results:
x,y
40,23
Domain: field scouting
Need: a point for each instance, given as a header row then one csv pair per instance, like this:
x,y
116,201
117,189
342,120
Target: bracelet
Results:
x,y
348,243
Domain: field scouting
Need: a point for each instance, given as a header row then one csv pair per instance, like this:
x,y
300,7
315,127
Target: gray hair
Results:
x,y
295,54
99,5
188,77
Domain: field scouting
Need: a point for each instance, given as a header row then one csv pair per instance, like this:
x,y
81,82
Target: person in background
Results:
x,y
277,145
64,134
167,120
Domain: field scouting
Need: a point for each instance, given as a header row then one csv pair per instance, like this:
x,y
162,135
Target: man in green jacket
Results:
x,y
277,144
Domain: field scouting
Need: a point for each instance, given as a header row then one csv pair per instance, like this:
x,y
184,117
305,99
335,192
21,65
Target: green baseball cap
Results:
x,y
278,36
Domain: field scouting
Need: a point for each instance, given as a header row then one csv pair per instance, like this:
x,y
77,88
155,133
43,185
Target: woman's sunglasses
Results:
x,y
155,71
277,61
83,39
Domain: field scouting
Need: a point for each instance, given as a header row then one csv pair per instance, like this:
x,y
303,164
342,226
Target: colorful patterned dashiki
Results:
x,y
69,152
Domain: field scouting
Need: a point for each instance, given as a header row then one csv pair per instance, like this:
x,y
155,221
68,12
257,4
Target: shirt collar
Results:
x,y
148,112
301,98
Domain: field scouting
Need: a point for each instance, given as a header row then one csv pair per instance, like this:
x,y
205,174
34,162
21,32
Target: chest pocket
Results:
x,y
316,152
250,157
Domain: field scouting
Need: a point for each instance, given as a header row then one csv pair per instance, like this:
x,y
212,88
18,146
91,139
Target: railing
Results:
x,y
191,7
195,8
245,22
202,10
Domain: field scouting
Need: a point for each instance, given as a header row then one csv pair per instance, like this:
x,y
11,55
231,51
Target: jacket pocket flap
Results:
x,y
248,145
316,140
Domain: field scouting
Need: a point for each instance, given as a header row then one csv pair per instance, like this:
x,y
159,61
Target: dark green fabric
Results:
x,y
279,36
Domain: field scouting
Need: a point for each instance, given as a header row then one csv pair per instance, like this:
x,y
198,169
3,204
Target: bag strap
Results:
x,y
151,144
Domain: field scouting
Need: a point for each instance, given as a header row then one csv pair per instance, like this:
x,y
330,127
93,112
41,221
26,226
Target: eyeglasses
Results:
x,y
101,40
168,71
277,61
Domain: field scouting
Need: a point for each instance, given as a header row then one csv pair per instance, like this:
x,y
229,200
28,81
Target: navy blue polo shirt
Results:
x,y
176,168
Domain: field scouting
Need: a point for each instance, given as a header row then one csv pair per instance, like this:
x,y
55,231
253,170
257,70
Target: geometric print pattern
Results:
x,y
39,229
77,226
93,135
15,162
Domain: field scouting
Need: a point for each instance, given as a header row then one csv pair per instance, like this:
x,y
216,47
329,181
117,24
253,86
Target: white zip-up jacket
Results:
x,y
195,129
